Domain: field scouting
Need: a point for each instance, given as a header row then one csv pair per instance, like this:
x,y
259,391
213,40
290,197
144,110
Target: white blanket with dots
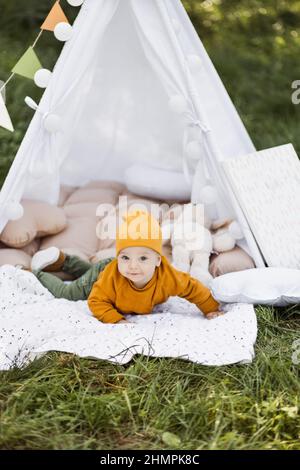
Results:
x,y
33,322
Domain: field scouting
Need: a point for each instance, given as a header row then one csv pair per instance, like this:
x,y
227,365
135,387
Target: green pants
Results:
x,y
86,275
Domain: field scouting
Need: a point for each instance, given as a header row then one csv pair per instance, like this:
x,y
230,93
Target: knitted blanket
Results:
x,y
33,322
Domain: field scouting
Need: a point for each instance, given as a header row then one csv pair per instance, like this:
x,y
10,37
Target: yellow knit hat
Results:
x,y
139,229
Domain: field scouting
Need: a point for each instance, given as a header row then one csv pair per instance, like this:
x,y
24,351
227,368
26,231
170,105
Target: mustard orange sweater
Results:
x,y
113,295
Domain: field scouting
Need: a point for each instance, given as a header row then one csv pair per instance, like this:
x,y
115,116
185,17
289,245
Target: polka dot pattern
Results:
x,y
33,322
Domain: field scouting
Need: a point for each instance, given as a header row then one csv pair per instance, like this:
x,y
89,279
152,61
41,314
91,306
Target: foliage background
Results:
x,y
62,401
254,45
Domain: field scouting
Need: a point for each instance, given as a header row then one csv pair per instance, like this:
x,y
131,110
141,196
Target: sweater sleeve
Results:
x,y
194,291
101,305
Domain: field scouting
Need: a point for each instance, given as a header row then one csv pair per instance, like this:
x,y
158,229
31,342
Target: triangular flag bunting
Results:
x,y
55,16
3,89
28,64
5,120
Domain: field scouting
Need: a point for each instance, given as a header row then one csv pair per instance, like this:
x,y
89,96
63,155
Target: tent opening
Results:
x,y
123,115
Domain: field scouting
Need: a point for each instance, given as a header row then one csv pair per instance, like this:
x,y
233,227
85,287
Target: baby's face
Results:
x,y
138,264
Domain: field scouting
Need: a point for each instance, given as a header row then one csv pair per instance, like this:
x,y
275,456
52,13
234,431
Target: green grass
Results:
x,y
63,402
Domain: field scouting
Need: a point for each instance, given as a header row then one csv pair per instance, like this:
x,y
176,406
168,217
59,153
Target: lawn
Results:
x,y
63,402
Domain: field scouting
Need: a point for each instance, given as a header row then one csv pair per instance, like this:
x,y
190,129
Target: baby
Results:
x,y
133,283
141,277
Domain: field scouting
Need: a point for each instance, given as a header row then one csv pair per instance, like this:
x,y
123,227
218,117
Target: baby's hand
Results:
x,y
212,315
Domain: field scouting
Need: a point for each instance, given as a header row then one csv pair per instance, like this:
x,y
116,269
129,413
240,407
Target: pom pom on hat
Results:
x,y
139,229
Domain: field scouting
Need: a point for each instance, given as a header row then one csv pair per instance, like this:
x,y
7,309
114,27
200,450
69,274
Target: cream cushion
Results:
x,y
64,193
264,286
84,209
32,247
156,183
14,257
39,220
80,234
114,185
230,261
97,195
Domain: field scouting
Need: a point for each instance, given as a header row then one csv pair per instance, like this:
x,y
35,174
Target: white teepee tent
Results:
x,y
113,92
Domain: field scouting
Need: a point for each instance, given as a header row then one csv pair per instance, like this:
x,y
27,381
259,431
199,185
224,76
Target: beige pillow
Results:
x,y
114,185
64,193
80,235
129,194
14,257
146,204
100,196
30,249
86,209
106,240
39,220
33,247
230,261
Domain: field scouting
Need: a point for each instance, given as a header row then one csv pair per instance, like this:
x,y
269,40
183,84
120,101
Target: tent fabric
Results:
x,y
111,90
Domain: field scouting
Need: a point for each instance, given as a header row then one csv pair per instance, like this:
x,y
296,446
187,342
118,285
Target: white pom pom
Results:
x,y
14,211
193,150
52,123
235,230
42,78
178,104
31,103
176,26
208,195
63,31
75,3
194,61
